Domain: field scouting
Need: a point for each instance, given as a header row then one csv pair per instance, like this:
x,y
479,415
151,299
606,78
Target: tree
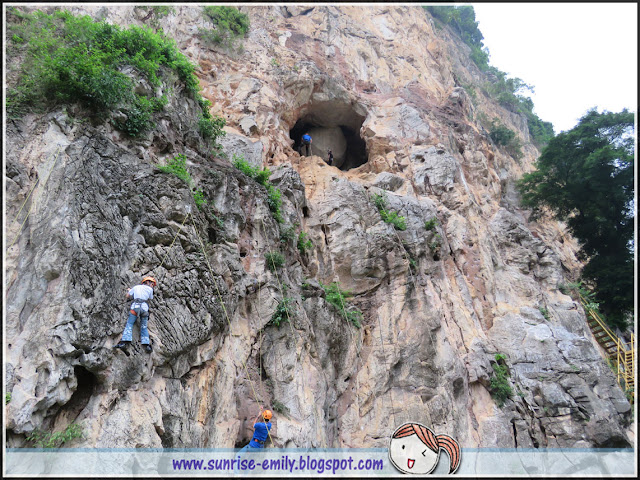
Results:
x,y
585,176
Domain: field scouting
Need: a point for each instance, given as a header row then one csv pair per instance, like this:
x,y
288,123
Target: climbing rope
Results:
x,y
413,280
344,314
244,365
33,203
393,409
286,309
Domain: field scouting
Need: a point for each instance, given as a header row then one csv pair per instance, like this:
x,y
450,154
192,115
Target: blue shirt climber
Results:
x,y
260,434
306,144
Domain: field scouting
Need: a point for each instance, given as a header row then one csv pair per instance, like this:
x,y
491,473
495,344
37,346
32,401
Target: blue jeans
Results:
x,y
144,332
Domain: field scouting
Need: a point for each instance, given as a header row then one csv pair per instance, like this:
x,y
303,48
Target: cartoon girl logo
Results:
x,y
416,449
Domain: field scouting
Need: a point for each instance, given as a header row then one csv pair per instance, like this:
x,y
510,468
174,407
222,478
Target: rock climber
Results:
x,y
139,308
260,431
306,144
329,157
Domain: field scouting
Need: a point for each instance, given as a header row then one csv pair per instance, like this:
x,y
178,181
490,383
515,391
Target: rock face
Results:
x,y
438,304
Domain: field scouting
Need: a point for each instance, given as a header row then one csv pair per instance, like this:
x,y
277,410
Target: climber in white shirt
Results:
x,y
139,308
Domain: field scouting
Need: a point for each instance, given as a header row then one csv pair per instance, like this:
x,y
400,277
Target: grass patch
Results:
x,y
389,216
42,439
545,313
177,166
274,197
274,260
338,298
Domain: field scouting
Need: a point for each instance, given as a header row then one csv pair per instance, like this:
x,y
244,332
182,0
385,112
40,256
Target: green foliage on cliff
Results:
x,y
211,128
283,312
229,24
304,243
177,166
274,197
337,297
500,388
389,216
431,224
586,177
275,260
68,59
155,13
55,440
463,21
507,91
510,93
506,137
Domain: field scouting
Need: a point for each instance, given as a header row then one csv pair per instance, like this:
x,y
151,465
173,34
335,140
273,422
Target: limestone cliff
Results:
x,y
381,87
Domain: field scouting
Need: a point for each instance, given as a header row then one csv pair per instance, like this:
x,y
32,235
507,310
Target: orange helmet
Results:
x,y
150,279
267,414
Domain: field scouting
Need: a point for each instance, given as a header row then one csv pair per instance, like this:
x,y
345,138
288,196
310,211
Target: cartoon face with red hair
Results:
x,y
416,449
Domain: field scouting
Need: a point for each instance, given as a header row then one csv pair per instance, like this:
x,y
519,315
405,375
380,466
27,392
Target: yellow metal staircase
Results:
x,y
621,354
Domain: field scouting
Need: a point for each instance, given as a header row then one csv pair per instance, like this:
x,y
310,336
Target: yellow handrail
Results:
x,y
623,356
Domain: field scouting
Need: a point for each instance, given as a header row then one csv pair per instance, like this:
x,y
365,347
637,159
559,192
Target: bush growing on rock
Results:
x,y
431,224
74,59
389,216
287,234
507,138
55,440
261,176
283,313
274,260
198,197
500,388
229,24
337,297
280,407
304,243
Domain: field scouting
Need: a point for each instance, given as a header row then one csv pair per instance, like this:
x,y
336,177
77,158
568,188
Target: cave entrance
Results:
x,y
333,126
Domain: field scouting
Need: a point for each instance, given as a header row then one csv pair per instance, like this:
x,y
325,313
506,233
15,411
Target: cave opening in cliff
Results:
x,y
87,383
333,126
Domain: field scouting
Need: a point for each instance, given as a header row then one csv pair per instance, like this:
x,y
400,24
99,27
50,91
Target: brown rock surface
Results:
x,y
438,304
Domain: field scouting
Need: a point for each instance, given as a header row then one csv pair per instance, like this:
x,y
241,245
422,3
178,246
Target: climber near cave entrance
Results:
x,y
139,308
306,144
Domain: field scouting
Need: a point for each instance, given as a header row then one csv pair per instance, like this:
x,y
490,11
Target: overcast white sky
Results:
x,y
577,56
